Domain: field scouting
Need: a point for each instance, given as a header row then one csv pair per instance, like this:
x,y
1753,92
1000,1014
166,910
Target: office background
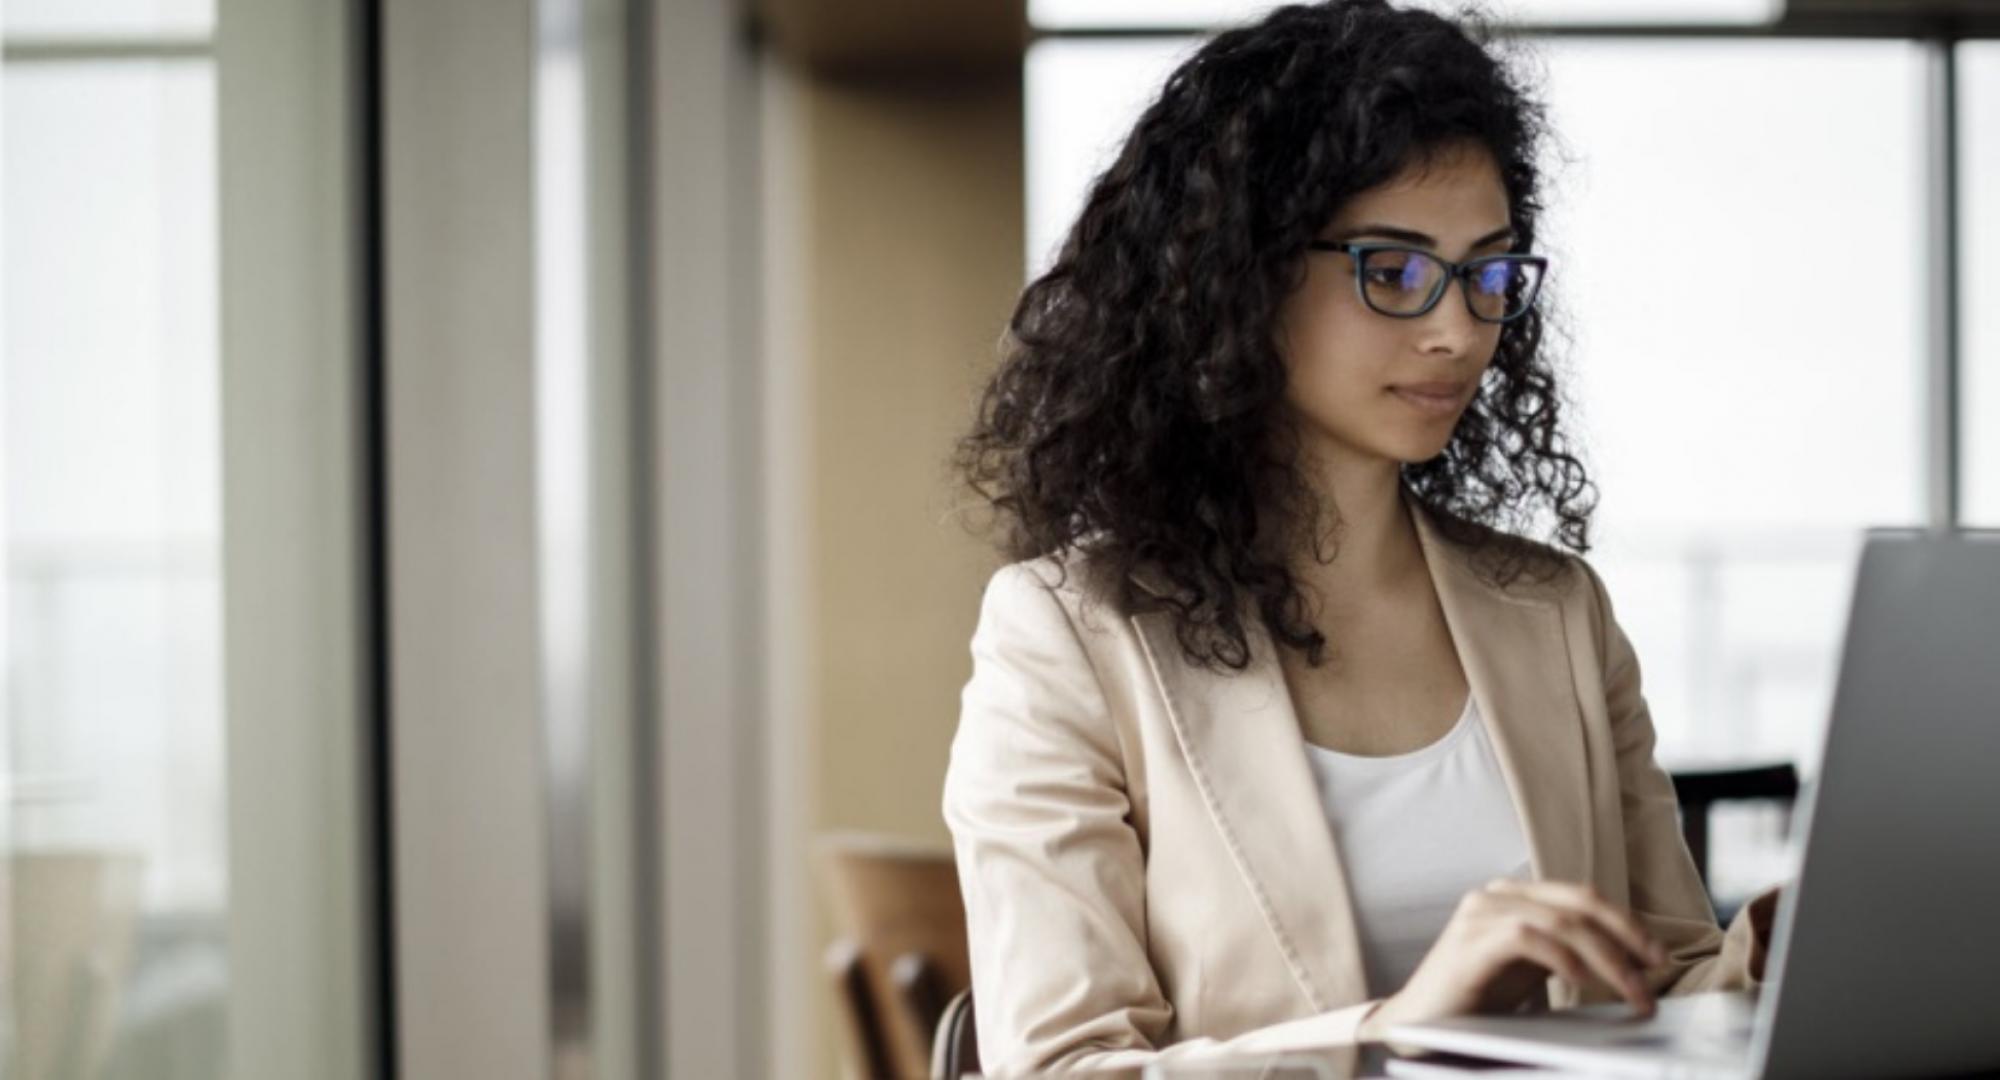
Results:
x,y
475,504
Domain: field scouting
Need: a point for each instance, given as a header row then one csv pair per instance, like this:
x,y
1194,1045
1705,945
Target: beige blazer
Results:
x,y
1147,867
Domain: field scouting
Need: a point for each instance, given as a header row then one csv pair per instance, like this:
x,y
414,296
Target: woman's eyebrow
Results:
x,y
1411,236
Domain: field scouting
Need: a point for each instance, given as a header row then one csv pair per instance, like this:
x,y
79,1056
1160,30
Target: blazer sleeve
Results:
x,y
1665,888
1052,870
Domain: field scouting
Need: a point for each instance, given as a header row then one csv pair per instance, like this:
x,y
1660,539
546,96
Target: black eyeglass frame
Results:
x,y
1359,253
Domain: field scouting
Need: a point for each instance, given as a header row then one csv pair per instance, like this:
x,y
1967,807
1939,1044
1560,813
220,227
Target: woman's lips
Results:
x,y
1432,398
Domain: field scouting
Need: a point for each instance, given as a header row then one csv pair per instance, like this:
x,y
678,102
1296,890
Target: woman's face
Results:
x,y
1386,388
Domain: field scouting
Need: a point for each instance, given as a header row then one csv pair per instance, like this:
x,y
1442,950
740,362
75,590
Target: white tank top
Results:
x,y
1416,832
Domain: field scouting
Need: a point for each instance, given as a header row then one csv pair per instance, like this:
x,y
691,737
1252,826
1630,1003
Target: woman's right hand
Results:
x,y
1505,939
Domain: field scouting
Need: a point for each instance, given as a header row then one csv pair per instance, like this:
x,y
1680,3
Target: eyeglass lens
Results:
x,y
1401,283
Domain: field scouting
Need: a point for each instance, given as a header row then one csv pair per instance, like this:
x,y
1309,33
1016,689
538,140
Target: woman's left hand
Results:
x,y
1762,911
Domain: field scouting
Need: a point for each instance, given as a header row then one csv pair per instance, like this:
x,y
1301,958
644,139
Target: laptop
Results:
x,y
1885,955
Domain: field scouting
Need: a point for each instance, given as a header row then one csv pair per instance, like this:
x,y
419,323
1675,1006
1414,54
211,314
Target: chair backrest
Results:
x,y
901,956
955,1051
1700,789
865,1038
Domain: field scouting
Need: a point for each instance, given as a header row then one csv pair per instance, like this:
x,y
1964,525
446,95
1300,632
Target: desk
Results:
x,y
1370,1060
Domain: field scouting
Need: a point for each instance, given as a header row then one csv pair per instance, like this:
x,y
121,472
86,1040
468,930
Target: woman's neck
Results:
x,y
1375,543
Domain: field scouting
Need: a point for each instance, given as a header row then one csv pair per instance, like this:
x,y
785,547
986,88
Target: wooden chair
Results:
x,y
901,956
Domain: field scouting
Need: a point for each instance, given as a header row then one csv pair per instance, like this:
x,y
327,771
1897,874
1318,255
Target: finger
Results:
x,y
1534,946
1584,900
1604,955
1764,908
1527,943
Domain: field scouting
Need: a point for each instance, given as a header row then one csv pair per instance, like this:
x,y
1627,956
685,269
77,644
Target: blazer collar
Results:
x,y
1244,750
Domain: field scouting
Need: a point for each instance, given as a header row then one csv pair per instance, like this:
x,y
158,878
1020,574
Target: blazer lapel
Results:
x,y
1516,658
1242,743
1241,739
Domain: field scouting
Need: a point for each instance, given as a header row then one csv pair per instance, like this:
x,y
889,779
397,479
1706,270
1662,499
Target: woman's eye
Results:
x,y
1494,279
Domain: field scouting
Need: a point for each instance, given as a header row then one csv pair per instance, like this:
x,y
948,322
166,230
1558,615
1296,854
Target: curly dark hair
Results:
x,y
1137,410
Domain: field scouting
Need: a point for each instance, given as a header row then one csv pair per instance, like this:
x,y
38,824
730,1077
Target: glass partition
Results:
x,y
181,734
117,839
1979,250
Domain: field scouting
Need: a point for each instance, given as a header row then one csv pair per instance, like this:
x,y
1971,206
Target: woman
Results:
x,y
1282,730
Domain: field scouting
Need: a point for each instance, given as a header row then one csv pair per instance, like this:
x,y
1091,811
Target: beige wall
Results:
x,y
896,240
917,227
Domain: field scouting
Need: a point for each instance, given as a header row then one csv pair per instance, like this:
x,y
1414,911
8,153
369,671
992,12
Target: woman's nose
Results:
x,y
1449,322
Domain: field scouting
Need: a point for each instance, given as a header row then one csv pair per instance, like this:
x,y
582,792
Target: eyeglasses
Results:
x,y
1404,282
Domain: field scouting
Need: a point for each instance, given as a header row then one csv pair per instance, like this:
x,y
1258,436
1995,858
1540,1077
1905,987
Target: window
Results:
x,y
181,890
112,511
124,21
1069,14
1744,420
